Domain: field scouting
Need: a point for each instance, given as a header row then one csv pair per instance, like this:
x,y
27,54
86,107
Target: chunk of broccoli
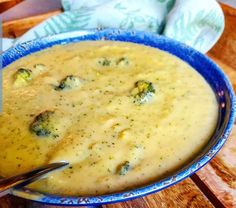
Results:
x,y
69,82
123,168
44,124
124,61
104,62
22,76
143,91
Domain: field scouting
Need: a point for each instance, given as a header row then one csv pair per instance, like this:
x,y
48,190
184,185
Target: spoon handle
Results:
x,y
24,179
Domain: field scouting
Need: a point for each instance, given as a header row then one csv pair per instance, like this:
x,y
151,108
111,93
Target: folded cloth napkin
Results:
x,y
196,23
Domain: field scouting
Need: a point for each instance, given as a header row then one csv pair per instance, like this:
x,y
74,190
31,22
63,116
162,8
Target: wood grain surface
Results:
x,y
184,194
30,8
212,186
220,174
23,25
27,14
6,4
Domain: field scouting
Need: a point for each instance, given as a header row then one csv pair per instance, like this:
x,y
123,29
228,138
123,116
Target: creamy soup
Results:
x,y
121,114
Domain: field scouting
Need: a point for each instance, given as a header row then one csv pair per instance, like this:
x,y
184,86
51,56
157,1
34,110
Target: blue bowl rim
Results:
x,y
29,47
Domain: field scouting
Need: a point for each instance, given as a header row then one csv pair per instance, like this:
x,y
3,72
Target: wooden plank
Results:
x,y
24,16
3,1
184,194
6,4
31,8
220,174
16,28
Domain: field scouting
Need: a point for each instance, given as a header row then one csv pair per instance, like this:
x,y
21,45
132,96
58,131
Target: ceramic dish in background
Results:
x,y
210,71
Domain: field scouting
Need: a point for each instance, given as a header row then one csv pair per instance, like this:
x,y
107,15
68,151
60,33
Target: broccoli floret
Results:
x,y
23,73
22,76
104,62
122,61
143,91
44,124
123,168
69,82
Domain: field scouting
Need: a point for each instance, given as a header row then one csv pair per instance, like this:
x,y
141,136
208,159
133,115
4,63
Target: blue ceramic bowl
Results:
x,y
210,71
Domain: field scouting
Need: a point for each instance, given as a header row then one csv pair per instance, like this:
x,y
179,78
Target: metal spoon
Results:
x,y
24,179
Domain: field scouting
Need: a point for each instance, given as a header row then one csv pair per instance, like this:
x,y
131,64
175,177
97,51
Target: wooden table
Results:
x,y
212,186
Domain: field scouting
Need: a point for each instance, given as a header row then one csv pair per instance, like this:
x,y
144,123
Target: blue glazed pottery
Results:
x,y
210,71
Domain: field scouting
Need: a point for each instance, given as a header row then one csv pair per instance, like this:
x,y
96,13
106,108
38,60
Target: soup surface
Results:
x,y
121,114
